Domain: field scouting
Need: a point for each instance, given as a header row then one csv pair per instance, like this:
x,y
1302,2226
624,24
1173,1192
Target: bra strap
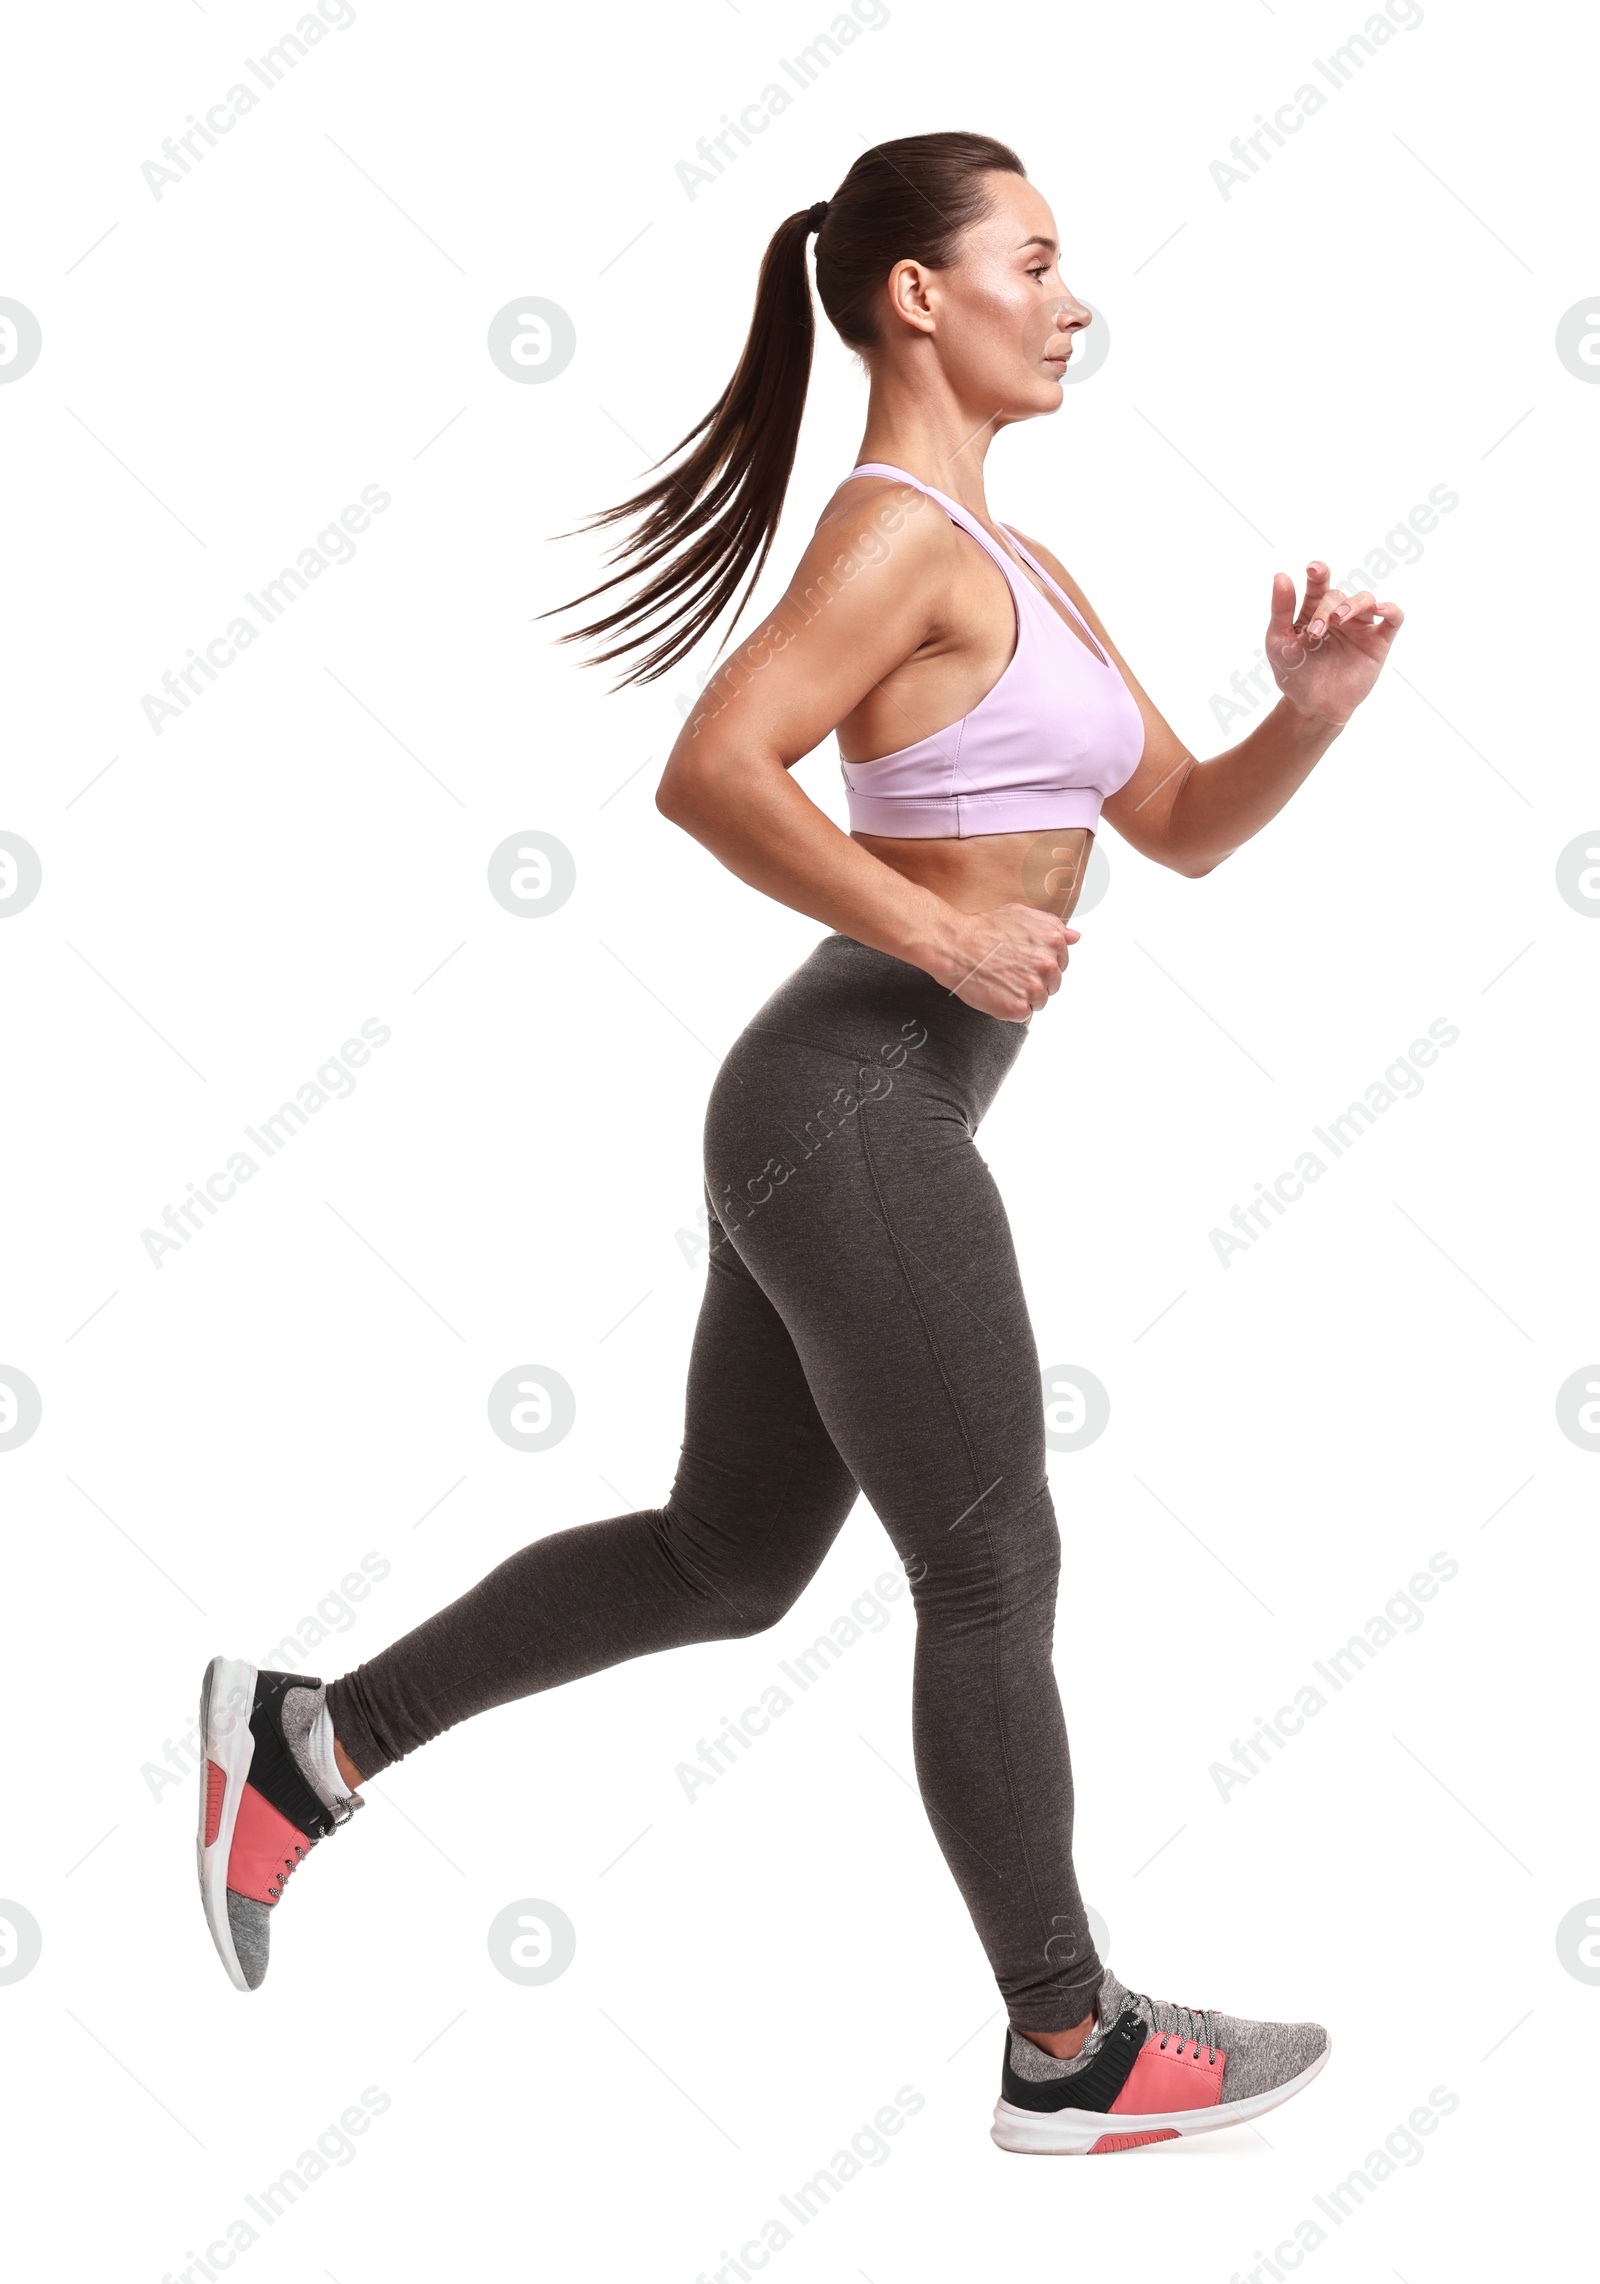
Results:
x,y
954,510
1033,563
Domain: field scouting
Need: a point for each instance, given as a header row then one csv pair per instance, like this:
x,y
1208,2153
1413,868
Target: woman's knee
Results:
x,y
739,1592
991,1566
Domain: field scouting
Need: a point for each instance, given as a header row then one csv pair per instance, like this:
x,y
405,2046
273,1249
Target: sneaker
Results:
x,y
1150,2071
269,1791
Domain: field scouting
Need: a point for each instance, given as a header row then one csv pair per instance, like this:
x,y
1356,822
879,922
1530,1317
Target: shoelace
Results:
x,y
1190,2023
298,1854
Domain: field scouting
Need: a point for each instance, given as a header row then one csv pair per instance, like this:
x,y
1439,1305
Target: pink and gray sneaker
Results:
x,y
270,1789
1150,2071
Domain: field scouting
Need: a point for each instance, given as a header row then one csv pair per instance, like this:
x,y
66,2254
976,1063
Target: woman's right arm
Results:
x,y
871,588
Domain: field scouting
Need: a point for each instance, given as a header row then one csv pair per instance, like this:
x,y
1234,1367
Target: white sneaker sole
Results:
x,y
227,1697
1077,2133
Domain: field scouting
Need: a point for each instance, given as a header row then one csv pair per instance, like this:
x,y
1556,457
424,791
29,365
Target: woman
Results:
x,y
863,1323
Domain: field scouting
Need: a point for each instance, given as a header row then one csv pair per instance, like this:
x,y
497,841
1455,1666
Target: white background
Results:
x,y
1292,368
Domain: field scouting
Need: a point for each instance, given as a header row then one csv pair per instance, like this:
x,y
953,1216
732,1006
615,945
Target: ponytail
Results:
x,y
709,524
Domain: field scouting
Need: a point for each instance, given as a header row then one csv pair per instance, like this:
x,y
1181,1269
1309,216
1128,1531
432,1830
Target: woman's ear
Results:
x,y
911,295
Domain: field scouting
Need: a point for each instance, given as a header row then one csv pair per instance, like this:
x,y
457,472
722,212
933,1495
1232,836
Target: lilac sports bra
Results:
x,y
1057,733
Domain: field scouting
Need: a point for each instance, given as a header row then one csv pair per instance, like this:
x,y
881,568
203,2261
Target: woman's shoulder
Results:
x,y
867,515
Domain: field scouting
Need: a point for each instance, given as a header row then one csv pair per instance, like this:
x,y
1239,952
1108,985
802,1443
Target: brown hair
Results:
x,y
710,523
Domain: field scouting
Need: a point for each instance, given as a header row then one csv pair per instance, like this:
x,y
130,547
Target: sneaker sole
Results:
x,y
1092,2133
227,1698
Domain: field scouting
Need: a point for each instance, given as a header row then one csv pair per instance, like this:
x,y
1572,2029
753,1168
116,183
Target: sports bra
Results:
x,y
1057,733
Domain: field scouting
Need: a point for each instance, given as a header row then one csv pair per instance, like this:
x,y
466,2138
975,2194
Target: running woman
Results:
x,y
863,1326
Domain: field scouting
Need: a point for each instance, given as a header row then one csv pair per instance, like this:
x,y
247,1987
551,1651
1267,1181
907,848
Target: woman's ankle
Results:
x,y
346,1766
1063,2044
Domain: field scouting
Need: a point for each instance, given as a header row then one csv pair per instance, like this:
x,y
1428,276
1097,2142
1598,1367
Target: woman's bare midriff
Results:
x,y
1044,870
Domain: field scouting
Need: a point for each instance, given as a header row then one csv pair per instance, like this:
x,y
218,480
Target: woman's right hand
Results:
x,y
1008,962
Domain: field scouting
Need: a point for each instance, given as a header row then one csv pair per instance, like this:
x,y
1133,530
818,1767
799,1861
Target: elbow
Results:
x,y
690,781
1188,864
709,781
679,796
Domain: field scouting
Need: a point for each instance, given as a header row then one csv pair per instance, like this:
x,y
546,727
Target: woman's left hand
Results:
x,y
1326,657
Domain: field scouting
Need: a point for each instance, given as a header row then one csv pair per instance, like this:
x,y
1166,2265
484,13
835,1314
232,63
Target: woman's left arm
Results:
x,y
1190,814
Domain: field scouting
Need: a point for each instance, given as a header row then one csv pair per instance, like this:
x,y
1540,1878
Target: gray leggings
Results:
x,y
863,1326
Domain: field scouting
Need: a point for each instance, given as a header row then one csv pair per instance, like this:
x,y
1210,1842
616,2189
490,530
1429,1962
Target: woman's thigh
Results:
x,y
760,1492
866,1215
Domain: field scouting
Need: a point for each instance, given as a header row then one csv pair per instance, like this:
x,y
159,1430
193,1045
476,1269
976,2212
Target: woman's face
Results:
x,y
1000,316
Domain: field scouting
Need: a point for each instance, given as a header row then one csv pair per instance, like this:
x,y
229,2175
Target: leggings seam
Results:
x,y
988,1537
881,1362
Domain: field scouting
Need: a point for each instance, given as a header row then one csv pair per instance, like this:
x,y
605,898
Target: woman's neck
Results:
x,y
933,438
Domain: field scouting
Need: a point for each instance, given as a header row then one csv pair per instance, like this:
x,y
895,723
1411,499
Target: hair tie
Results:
x,y
817,215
